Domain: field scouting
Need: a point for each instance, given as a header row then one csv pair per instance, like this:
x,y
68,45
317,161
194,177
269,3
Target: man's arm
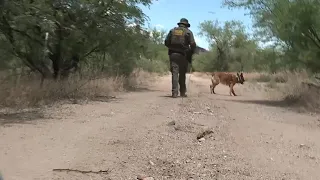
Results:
x,y
167,40
193,44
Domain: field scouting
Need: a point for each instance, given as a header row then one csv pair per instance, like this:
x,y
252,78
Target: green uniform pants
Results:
x,y
178,68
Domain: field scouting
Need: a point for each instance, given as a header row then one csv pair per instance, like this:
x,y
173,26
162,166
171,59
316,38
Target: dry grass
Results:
x,y
27,92
139,78
294,89
201,74
208,74
252,76
280,77
299,90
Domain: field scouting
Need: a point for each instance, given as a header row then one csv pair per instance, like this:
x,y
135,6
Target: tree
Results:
x,y
78,31
231,47
293,26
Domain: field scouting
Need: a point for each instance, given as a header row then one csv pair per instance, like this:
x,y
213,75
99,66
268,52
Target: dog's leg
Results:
x,y
214,83
213,88
232,90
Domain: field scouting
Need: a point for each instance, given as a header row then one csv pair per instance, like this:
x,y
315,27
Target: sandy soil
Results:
x,y
147,133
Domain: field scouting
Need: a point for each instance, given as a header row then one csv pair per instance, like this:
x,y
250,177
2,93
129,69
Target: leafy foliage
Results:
x,y
292,26
94,34
231,47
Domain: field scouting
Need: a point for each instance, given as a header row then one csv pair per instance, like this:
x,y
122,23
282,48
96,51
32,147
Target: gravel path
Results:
x,y
149,134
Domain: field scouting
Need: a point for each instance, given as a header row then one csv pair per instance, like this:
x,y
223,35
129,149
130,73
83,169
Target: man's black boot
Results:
x,y
174,95
183,94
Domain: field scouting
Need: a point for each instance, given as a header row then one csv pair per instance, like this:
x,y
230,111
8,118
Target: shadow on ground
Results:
x,y
274,103
106,99
288,104
142,89
20,117
166,96
228,95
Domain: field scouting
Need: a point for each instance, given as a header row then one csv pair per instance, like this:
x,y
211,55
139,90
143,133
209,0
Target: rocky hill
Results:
x,y
200,50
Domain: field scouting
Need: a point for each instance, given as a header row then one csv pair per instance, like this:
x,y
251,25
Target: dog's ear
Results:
x,y
242,77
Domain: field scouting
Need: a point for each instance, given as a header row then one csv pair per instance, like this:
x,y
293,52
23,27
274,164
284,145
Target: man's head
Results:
x,y
184,21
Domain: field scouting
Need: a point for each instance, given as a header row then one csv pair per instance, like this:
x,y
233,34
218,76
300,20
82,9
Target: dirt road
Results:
x,y
148,133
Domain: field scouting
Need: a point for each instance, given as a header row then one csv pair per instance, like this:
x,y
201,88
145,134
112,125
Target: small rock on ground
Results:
x,y
140,177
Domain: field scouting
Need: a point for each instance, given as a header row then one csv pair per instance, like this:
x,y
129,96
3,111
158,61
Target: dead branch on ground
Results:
x,y
82,171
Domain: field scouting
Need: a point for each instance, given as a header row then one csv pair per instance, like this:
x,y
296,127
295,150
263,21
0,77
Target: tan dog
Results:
x,y
227,79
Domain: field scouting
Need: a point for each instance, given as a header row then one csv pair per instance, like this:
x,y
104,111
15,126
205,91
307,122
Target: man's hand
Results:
x,y
189,54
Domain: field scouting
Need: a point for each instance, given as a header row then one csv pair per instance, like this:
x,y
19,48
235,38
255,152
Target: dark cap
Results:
x,y
184,21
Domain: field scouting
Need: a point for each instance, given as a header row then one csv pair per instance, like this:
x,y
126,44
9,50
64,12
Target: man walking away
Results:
x,y
180,41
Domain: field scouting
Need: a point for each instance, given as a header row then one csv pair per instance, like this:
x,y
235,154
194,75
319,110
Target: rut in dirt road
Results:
x,y
149,134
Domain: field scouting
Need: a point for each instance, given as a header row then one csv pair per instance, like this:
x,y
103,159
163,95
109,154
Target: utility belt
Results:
x,y
187,53
176,50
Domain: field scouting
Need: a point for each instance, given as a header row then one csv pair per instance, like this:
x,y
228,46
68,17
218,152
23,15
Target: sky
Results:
x,y
165,14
